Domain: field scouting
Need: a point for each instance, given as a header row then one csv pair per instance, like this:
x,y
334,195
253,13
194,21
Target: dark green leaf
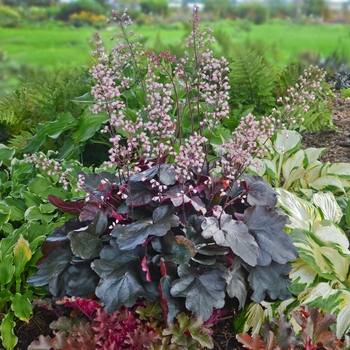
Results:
x,y
7,270
50,129
88,125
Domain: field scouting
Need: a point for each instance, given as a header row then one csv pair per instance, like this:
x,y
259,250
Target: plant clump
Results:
x,y
176,220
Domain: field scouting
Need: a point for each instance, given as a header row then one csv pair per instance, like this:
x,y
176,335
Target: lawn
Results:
x,y
280,41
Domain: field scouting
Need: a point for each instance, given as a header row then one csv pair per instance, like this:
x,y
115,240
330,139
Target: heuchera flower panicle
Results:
x,y
157,127
298,98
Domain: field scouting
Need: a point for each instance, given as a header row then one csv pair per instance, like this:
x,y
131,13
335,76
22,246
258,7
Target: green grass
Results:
x,y
69,47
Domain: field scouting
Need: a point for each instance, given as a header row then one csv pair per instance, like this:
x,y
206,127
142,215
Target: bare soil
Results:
x,y
336,141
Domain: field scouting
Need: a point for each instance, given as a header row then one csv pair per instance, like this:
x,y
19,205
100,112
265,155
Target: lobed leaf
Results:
x,y
122,280
130,236
272,280
234,234
267,227
203,290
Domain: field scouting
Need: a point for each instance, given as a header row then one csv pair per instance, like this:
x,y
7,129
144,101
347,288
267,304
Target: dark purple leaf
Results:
x,y
272,280
81,280
267,227
122,280
140,194
204,291
66,207
177,249
171,306
259,191
233,234
129,236
52,271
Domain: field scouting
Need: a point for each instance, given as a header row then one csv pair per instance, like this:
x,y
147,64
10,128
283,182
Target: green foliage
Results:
x,y
252,83
9,17
42,97
26,217
221,9
68,9
345,93
255,13
155,7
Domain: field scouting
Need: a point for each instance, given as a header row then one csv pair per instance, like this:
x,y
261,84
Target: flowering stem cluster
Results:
x,y
298,99
170,93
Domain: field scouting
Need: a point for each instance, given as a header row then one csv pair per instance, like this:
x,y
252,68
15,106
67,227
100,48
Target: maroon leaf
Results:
x,y
87,306
252,343
67,207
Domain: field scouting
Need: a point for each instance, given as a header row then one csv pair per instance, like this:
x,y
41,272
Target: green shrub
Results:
x,y
9,17
87,18
69,9
256,13
42,97
156,7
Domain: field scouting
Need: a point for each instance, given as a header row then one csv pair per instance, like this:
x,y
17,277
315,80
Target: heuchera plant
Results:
x,y
311,331
176,219
138,327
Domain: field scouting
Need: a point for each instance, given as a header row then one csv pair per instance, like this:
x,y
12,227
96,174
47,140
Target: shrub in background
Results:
x,y
9,17
155,7
67,10
87,18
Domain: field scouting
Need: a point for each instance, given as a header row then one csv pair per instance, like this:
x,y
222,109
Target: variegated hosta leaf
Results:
x,y
322,290
333,236
294,175
313,173
294,161
303,271
328,205
287,140
325,260
255,317
343,316
258,167
328,183
341,170
313,154
301,212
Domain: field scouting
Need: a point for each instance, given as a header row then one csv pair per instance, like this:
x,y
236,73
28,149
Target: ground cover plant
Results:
x,y
171,224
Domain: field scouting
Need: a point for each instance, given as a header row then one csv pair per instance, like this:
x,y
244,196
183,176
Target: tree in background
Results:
x,y
221,9
156,7
313,7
